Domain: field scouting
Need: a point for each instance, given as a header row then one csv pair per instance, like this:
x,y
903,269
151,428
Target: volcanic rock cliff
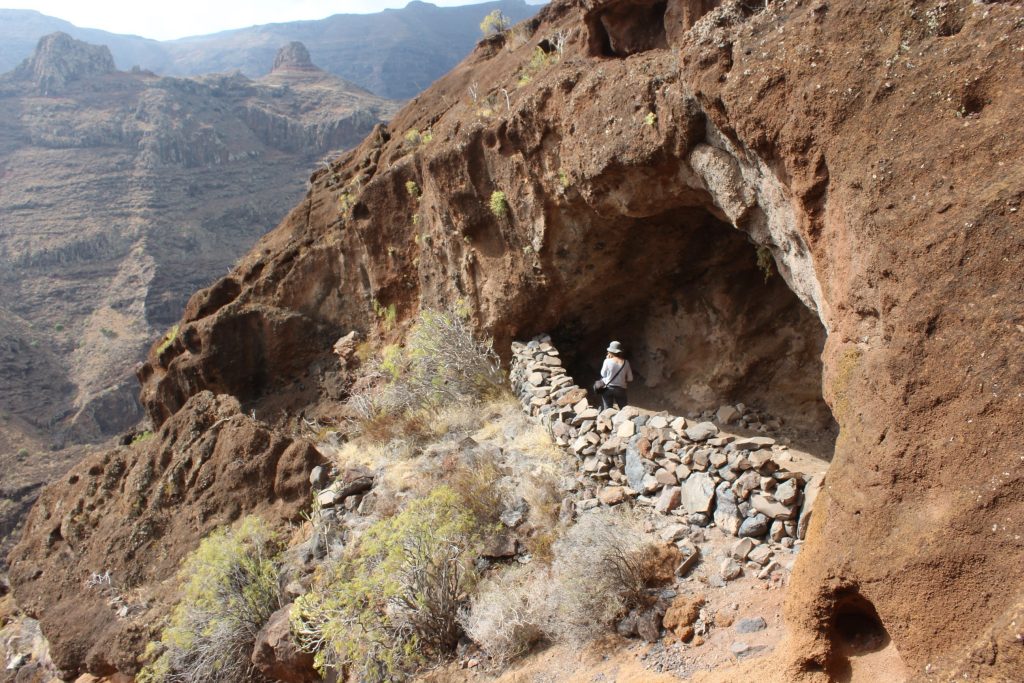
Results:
x,y
814,203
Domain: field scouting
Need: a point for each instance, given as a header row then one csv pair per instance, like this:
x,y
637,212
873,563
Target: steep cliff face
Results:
x,y
657,172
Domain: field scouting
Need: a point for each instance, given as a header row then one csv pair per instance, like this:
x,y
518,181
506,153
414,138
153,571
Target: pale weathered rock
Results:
x,y
658,422
626,429
665,477
753,443
673,532
740,549
777,531
682,472
727,414
701,431
668,500
718,459
612,495
727,515
650,484
730,569
745,484
698,493
771,507
787,493
760,555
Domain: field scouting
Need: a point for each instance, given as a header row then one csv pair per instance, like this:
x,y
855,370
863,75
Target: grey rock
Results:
x,y
699,519
755,527
777,531
751,625
635,469
727,414
727,515
701,431
741,650
318,477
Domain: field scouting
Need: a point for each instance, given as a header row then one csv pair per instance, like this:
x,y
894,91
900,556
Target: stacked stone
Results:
x,y
668,463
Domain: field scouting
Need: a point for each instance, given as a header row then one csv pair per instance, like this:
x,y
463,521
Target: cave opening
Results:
x,y
706,319
856,632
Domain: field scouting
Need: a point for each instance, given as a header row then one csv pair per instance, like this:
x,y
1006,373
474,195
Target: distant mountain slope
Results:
x,y
120,194
394,53
21,29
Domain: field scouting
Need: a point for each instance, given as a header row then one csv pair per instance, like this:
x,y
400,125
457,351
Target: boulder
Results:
x,y
277,656
754,527
682,614
698,493
727,513
753,443
635,470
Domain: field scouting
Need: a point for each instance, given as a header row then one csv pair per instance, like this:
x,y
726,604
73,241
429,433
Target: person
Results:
x,y
616,374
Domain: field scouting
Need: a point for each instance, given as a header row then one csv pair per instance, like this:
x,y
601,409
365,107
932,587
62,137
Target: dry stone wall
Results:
x,y
668,463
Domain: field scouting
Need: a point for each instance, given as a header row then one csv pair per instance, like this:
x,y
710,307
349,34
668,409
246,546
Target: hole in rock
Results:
x,y
626,28
861,646
703,323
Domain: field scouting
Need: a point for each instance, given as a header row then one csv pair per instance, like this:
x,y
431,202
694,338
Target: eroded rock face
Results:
x,y
100,544
891,213
59,59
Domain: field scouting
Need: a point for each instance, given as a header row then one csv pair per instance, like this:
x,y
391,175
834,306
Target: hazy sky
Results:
x,y
177,18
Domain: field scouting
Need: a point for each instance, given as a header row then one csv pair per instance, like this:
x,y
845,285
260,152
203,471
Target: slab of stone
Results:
x,y
668,500
788,492
627,413
665,477
658,422
580,405
753,443
701,431
650,484
727,414
698,493
740,549
678,425
634,469
682,472
626,429
772,508
745,484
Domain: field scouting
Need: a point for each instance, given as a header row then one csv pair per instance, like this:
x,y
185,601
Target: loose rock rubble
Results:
x,y
676,466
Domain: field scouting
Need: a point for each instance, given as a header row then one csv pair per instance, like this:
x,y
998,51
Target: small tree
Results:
x,y
494,23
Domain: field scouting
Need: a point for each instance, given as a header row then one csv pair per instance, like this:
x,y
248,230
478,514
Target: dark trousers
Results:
x,y
613,395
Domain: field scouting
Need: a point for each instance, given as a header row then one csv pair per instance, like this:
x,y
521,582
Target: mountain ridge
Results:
x,y
395,53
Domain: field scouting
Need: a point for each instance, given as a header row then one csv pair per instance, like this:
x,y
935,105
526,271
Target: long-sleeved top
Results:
x,y
610,367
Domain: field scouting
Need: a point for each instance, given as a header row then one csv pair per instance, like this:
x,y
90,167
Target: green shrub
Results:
x,y
650,119
142,436
764,262
59,327
414,138
539,60
412,188
494,23
229,590
168,339
391,603
108,333
442,363
498,204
